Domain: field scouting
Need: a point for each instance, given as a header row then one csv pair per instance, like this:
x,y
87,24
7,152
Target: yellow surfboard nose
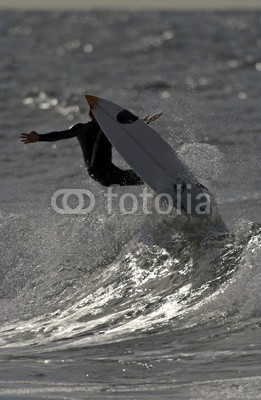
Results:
x,y
91,100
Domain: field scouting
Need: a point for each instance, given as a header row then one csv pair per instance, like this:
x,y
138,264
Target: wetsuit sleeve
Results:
x,y
74,131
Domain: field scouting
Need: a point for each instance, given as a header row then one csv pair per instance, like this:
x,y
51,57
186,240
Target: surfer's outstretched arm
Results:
x,y
33,136
74,131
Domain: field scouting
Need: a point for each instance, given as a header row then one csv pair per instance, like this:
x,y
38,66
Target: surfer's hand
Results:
x,y
151,118
30,137
146,119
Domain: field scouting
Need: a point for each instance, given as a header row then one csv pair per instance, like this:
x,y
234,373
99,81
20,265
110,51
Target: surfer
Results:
x,y
96,149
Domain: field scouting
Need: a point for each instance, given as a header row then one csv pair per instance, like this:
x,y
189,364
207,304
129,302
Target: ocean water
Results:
x,y
130,306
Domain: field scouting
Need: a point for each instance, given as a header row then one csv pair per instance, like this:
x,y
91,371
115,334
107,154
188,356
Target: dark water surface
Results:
x,y
112,306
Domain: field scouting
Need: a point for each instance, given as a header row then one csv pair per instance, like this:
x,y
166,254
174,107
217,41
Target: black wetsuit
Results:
x,y
97,154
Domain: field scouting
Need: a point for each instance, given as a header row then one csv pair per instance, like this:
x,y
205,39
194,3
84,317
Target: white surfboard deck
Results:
x,y
151,157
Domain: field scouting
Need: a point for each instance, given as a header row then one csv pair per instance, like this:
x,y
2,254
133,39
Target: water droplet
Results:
x,y
242,95
88,48
165,94
167,35
258,66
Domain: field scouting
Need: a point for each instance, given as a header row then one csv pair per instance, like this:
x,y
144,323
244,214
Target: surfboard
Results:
x,y
151,157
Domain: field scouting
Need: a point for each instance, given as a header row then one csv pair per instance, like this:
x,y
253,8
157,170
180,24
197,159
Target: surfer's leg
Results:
x,y
129,178
101,159
102,170
102,152
115,176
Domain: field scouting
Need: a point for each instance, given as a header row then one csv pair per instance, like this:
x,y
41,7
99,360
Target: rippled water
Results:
x,y
130,306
